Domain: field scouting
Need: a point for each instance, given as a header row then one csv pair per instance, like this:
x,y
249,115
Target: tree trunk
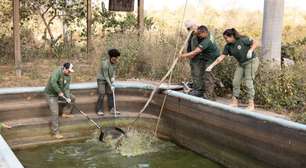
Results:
x,y
66,32
272,31
16,34
140,17
89,17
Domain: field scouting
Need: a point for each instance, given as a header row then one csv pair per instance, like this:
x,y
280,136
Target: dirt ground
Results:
x,y
38,72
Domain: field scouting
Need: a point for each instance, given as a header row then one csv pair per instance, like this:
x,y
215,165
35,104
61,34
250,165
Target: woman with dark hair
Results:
x,y
242,49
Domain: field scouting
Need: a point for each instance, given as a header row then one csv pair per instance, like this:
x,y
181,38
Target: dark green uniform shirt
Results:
x,y
239,49
192,42
107,71
210,50
58,82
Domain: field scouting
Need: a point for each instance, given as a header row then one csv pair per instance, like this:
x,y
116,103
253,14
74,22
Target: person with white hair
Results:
x,y
191,25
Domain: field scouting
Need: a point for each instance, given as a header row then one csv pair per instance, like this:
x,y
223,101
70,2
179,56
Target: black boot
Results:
x,y
196,93
99,107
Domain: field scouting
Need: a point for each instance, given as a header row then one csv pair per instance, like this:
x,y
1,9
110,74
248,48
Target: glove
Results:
x,y
112,79
250,54
68,100
112,87
208,69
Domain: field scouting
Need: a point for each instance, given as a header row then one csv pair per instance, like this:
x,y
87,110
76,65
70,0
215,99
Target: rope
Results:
x,y
170,78
169,72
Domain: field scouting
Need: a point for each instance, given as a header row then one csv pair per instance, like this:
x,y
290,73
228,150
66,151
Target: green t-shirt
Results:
x,y
239,49
210,50
58,82
107,71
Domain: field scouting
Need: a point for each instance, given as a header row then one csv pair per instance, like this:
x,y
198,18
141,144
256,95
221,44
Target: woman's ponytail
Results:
x,y
232,32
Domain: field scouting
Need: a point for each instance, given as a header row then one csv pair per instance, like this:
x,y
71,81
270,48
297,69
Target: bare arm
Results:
x,y
254,45
192,54
216,62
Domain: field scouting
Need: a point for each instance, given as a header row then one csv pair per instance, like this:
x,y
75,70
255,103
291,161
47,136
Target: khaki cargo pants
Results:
x,y
204,82
247,72
197,67
104,88
57,107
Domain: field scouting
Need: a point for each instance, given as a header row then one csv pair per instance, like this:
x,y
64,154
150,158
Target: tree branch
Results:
x,y
46,10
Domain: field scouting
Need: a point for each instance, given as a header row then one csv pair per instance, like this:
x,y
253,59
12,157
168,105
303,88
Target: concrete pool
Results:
x,y
229,136
92,153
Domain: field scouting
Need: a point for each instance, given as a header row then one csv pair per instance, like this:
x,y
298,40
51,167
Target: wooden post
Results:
x,y
89,20
272,31
140,17
16,34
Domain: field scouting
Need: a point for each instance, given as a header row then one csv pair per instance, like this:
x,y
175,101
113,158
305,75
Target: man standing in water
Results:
x,y
105,80
200,57
56,89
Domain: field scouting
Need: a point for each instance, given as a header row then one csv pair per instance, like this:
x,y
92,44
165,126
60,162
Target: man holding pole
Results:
x,y
105,80
200,57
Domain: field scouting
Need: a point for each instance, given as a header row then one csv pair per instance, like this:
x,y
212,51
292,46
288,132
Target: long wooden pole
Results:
x,y
161,81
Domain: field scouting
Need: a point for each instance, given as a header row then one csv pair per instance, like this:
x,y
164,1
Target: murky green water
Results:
x,y
138,151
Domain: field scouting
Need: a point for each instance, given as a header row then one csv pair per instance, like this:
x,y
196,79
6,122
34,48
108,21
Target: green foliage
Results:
x,y
147,56
129,48
150,56
118,22
294,50
282,89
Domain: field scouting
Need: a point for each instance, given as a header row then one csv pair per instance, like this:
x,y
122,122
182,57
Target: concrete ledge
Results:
x,y
267,118
231,136
7,157
90,85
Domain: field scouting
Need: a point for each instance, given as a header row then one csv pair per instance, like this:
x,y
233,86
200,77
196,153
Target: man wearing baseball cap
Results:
x,y
56,89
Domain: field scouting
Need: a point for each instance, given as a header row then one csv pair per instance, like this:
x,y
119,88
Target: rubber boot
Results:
x,y
99,107
251,105
234,102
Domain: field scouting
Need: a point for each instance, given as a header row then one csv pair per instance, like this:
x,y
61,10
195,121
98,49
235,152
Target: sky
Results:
x,y
253,5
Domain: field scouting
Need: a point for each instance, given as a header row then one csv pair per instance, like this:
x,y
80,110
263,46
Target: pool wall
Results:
x,y
231,136
7,157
